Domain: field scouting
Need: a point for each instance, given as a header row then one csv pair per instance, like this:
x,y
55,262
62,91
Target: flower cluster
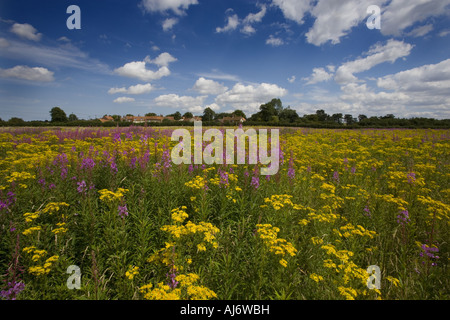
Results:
x,y
278,246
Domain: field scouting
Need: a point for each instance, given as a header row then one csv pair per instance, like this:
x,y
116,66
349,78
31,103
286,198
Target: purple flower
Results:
x,y
87,163
14,288
81,187
403,218
255,182
411,177
367,211
336,176
123,211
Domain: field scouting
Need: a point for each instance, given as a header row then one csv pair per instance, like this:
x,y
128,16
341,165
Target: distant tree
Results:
x,y
221,115
270,109
116,117
337,117
58,115
14,121
322,115
349,120
208,114
72,117
188,115
129,115
176,115
150,114
361,117
288,114
239,113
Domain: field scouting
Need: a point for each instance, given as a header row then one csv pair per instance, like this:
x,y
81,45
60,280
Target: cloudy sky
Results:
x,y
162,56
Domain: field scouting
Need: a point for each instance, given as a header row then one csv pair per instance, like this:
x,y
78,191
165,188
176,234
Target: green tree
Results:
x,y
270,109
188,115
208,114
72,117
239,113
349,119
176,115
150,114
337,117
289,115
58,115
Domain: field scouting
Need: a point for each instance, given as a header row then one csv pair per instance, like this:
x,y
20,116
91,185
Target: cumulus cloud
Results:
x,y
377,54
335,19
178,7
137,89
232,24
138,69
318,75
163,60
399,15
26,31
294,9
169,23
233,21
123,100
274,41
250,97
37,74
179,102
207,86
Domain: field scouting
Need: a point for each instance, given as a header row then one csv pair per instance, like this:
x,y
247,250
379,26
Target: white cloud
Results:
x,y
293,9
169,23
137,89
163,60
318,75
179,7
255,17
274,41
232,24
248,29
432,80
398,15
123,100
213,106
179,102
291,79
37,74
137,69
233,21
206,86
250,97
26,31
420,31
377,54
335,19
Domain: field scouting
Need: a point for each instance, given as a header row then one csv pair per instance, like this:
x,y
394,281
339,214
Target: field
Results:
x,y
109,205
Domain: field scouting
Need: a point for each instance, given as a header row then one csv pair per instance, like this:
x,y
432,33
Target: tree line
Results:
x,y
271,113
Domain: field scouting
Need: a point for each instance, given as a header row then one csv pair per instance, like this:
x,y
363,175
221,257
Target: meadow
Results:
x,y
110,202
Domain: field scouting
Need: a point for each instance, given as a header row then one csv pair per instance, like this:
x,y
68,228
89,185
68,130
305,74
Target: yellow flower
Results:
x,y
132,272
316,277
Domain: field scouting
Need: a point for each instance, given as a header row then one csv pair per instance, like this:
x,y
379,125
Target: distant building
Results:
x,y
195,118
147,119
234,120
106,119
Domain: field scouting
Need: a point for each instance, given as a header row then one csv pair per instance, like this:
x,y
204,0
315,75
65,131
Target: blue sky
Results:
x,y
163,56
